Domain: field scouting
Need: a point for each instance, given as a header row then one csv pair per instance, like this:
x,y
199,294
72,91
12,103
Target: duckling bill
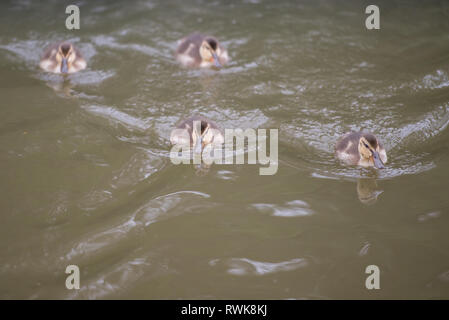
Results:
x,y
62,58
200,51
198,131
361,148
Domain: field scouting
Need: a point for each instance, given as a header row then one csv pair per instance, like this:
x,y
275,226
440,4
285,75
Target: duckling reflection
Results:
x,y
62,88
367,190
197,132
200,51
62,58
202,169
211,87
361,148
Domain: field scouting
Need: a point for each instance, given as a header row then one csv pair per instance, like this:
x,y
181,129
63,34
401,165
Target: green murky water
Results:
x,y
86,178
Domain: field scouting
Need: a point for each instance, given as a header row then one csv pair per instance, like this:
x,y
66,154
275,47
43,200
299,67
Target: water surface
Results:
x,y
86,179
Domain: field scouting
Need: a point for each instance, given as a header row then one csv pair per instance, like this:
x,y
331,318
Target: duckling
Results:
x,y
361,148
198,131
63,58
197,50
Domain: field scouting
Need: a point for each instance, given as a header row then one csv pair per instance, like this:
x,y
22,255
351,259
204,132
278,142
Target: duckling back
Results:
x,y
188,51
347,149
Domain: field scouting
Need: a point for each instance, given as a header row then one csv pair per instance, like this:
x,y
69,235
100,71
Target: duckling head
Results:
x,y
369,150
65,56
208,51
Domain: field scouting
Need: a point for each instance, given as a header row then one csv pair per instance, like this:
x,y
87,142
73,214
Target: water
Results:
x,y
86,177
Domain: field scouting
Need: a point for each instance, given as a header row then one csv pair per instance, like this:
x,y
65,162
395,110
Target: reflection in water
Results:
x,y
63,87
367,190
202,169
210,85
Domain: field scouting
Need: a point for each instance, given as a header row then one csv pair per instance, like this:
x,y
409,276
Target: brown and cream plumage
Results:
x,y
63,58
197,131
197,50
361,148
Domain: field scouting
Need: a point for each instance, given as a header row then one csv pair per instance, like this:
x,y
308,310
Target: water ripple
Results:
x,y
295,208
244,266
